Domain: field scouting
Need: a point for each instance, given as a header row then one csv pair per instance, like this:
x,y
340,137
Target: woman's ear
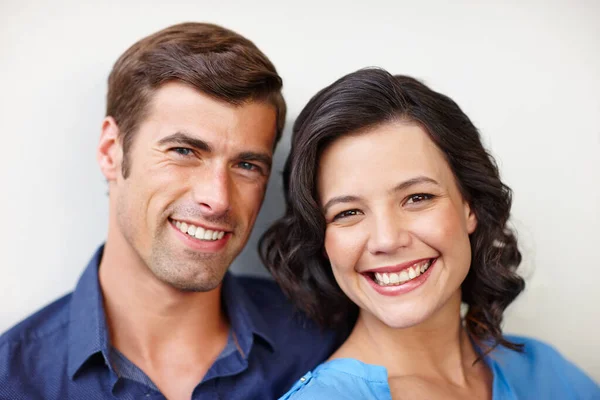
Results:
x,y
471,218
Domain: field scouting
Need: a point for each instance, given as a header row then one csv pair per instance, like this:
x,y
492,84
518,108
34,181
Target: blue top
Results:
x,y
540,372
64,352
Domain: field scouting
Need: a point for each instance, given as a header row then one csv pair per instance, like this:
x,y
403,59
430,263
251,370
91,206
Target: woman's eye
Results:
x,y
419,197
182,151
346,214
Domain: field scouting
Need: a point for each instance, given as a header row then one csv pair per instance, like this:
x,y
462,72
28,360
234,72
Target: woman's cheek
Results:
x,y
344,246
438,228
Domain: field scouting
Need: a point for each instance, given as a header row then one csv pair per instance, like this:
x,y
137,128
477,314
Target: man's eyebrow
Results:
x,y
256,156
399,187
184,139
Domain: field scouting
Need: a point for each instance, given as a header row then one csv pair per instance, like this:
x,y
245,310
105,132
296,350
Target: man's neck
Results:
x,y
168,333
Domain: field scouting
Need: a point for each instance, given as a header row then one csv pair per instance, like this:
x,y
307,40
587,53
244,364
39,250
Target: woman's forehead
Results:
x,y
395,150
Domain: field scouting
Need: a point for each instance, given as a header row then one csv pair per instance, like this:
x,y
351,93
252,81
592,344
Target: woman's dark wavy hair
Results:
x,y
293,247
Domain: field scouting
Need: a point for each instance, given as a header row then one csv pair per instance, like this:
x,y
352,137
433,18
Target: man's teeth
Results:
x,y
395,279
199,232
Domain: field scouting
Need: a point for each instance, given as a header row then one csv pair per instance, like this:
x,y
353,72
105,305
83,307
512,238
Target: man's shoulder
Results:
x,y
288,326
274,306
34,353
261,290
50,321
298,343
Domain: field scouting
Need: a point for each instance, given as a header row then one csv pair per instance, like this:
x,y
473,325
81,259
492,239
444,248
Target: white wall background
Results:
x,y
527,73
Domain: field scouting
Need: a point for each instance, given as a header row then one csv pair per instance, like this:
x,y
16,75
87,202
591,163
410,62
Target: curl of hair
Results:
x,y
293,247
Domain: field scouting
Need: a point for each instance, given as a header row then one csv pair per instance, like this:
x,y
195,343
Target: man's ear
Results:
x,y
471,218
109,152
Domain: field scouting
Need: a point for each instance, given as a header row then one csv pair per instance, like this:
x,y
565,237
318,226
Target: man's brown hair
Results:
x,y
216,61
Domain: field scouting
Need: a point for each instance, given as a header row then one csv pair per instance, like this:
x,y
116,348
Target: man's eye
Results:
x,y
419,197
346,214
182,151
248,166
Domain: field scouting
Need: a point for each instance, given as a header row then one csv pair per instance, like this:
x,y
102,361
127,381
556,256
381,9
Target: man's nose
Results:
x,y
213,191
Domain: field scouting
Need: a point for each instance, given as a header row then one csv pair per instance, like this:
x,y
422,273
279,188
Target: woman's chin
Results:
x,y
401,319
413,313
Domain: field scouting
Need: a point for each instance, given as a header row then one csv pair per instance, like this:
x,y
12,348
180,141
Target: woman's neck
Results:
x,y
438,348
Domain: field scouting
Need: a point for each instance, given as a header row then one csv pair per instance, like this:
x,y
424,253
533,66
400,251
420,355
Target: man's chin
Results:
x,y
202,282
189,271
196,287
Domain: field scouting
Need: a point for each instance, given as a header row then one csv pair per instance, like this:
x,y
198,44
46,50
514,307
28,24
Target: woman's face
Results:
x,y
398,228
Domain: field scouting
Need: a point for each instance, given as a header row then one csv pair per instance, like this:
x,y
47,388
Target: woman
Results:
x,y
396,215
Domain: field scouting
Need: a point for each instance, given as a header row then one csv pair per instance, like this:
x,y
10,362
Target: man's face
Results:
x,y
198,173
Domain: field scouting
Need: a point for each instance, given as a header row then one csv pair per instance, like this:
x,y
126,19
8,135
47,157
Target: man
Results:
x,y
194,113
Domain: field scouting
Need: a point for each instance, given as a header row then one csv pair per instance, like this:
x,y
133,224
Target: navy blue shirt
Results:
x,y
63,351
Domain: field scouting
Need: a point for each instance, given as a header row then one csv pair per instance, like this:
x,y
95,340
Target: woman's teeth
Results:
x,y
398,278
199,232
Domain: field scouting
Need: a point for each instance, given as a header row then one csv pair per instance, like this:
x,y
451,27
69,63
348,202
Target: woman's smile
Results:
x,y
392,281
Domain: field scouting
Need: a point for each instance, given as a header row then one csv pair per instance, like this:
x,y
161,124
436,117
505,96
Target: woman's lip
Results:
x,y
403,288
398,267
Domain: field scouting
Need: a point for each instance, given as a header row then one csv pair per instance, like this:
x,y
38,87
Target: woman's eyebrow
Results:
x,y
399,187
412,182
337,200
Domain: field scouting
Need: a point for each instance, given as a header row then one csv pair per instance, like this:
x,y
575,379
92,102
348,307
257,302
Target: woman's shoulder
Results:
x,y
541,368
344,379
533,349
535,356
534,352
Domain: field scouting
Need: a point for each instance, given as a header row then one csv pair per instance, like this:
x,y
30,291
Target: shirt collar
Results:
x,y
246,318
88,333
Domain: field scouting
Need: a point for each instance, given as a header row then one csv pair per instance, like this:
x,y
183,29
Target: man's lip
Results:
x,y
398,267
197,224
199,245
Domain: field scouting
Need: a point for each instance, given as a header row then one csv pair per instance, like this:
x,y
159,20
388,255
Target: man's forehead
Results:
x,y
176,107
